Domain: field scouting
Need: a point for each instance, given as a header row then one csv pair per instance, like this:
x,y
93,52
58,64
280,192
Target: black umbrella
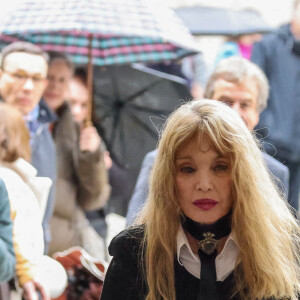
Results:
x,y
202,20
130,104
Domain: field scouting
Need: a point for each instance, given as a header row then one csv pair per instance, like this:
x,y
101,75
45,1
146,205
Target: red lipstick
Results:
x,y
205,204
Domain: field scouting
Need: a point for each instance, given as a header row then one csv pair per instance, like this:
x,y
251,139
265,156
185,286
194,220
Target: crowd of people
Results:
x,y
214,213
53,171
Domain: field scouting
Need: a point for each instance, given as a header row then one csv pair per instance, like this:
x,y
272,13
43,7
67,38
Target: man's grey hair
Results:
x,y
22,47
236,69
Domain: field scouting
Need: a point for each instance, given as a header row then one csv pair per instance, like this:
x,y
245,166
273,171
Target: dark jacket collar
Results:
x,y
284,31
46,115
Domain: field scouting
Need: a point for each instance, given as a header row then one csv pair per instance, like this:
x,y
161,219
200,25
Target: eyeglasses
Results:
x,y
22,78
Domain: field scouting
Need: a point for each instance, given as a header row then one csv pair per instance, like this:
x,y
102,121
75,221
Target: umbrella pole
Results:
x,y
90,82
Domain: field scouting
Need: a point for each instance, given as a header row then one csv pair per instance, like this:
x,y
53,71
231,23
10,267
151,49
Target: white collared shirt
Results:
x,y
225,261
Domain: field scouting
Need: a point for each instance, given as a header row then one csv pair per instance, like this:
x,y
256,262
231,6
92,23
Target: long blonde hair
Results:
x,y
266,231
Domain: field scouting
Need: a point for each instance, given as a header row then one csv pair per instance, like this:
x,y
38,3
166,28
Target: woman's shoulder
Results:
x,y
127,241
17,175
10,176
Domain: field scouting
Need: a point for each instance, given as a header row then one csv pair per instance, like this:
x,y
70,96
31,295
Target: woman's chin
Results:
x,y
207,218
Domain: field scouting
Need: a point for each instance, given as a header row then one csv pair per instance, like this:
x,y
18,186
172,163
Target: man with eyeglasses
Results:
x,y
23,79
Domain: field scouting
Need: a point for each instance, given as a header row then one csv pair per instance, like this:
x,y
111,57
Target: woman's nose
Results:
x,y
203,183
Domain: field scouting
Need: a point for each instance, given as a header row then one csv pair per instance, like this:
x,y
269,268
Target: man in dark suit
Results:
x,y
278,55
244,87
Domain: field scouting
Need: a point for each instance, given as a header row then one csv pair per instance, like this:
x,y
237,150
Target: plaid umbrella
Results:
x,y
101,32
111,32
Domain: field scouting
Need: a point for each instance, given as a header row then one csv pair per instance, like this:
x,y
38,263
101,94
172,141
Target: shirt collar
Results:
x,y
33,115
182,241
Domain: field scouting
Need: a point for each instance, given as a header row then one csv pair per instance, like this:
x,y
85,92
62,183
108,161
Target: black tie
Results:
x,y
207,288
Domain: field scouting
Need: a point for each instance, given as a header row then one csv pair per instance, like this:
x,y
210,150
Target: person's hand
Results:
x,y
89,139
30,289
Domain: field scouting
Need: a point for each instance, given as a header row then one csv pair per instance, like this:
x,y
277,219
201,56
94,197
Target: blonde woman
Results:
x,y
36,273
214,226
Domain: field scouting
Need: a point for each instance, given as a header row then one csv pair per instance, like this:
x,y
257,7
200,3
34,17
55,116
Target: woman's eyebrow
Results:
x,y
221,156
182,157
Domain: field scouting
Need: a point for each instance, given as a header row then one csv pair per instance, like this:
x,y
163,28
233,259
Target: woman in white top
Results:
x,y
36,273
